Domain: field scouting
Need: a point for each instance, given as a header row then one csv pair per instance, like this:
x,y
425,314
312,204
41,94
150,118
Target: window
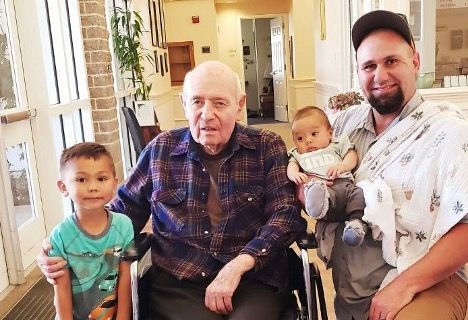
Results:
x,y
441,35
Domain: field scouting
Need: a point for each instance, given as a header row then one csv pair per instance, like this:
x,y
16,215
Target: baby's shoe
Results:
x,y
354,232
316,199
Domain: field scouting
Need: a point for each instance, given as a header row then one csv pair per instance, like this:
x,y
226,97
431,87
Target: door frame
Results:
x,y
240,61
11,244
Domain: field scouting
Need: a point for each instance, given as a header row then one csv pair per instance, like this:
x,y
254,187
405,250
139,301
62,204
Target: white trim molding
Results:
x,y
301,83
456,95
323,91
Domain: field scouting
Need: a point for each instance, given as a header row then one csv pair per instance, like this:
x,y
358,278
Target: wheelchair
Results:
x,y
304,303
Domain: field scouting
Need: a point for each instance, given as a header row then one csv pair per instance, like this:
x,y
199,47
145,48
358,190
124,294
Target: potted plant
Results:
x,y
127,29
343,101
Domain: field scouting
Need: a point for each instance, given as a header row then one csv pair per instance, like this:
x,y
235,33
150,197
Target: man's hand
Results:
x,y
51,267
218,295
389,301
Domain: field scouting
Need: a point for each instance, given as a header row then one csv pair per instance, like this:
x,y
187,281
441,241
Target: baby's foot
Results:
x,y
316,199
354,232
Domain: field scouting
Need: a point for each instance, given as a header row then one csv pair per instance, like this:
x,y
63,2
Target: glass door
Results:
x,y
23,217
22,191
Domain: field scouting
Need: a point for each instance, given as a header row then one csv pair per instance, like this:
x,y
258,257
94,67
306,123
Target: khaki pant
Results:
x,y
446,300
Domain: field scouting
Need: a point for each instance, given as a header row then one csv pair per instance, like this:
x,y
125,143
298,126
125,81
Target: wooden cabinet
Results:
x,y
180,60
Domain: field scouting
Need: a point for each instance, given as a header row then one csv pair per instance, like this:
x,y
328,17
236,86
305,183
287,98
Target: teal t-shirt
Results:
x,y
93,261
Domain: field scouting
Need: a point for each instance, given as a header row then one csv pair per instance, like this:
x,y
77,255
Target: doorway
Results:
x,y
258,59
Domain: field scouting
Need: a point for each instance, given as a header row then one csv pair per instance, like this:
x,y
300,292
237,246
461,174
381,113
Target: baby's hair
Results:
x,y
312,111
89,150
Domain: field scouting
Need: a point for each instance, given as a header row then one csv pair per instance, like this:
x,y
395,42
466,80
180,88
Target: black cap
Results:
x,y
380,19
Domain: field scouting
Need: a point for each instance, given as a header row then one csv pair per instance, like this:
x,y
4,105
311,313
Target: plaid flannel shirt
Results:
x,y
171,183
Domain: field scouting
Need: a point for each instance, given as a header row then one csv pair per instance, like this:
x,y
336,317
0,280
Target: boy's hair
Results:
x,y
89,150
309,111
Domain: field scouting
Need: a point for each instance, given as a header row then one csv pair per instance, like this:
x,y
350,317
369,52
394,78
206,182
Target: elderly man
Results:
x,y
414,155
222,208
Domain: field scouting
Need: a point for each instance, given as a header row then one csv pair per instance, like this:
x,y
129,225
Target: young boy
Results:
x,y
318,158
91,239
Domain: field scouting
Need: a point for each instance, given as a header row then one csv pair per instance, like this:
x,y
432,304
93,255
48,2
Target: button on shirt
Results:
x,y
170,182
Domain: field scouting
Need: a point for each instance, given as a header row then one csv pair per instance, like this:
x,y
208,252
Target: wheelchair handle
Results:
x,y
141,244
307,240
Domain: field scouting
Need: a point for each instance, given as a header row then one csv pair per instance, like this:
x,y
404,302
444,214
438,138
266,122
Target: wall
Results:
x,y
331,54
426,44
179,26
262,34
229,31
229,39
100,79
160,84
250,64
301,86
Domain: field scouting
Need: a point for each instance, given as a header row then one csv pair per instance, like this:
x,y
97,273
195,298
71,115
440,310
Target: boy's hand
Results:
x,y
51,267
299,178
335,170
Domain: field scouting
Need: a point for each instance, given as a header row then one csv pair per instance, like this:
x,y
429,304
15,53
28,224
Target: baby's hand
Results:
x,y
334,171
299,178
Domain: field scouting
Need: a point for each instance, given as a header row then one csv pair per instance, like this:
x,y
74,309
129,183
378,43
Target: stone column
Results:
x,y
100,79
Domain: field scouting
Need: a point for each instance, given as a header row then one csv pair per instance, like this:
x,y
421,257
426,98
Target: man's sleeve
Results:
x,y
133,195
285,222
344,145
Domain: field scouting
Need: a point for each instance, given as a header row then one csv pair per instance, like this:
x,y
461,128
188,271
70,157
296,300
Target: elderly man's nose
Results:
x,y
207,111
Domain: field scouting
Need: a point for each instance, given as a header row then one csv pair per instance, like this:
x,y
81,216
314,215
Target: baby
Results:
x,y
320,160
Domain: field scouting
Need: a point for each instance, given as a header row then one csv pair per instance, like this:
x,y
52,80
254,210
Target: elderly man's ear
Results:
x,y
242,101
240,107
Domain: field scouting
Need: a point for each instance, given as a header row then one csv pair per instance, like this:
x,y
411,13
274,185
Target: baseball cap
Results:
x,y
380,19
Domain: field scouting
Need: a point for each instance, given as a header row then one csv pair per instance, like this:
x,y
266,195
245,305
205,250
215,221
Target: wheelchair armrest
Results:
x,y
141,244
307,240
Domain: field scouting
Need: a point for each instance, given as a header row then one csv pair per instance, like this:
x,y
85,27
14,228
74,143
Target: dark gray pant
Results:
x,y
346,201
173,299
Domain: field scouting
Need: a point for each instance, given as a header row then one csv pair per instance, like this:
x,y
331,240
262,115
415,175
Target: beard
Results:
x,y
387,105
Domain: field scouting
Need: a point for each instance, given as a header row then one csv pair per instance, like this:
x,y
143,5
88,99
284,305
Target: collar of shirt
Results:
x,y
413,103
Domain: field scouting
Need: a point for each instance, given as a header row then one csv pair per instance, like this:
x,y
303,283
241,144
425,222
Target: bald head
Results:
x,y
212,102
213,70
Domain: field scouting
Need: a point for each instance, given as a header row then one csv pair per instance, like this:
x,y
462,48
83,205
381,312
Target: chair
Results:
x,y
305,280
135,130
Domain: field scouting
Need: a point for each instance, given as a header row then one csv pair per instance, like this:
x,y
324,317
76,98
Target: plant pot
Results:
x,y
144,111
